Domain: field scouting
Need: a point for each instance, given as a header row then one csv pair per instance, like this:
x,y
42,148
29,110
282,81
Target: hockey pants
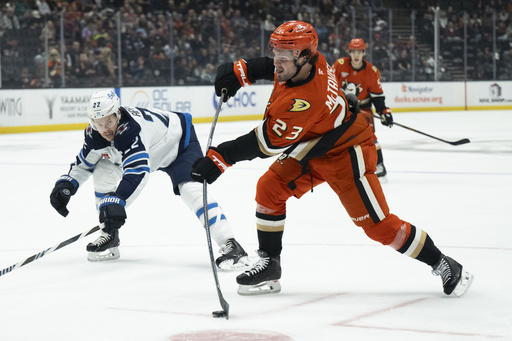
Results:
x,y
351,174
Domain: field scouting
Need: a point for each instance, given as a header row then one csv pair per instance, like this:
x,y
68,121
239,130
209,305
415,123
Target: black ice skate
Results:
x,y
104,248
263,278
456,280
233,256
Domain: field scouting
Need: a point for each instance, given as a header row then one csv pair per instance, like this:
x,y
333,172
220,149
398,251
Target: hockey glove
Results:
x,y
210,167
353,103
112,212
386,118
64,188
231,76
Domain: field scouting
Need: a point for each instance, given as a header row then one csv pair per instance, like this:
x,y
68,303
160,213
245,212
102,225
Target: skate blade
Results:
x,y
103,256
465,282
243,264
264,288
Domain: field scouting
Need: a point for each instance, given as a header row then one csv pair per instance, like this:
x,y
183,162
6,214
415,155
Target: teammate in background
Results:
x,y
122,146
308,121
357,76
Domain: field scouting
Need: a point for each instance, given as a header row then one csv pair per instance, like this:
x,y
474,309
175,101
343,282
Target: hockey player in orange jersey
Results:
x,y
308,122
360,77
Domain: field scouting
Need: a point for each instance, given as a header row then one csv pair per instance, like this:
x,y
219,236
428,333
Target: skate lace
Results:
x,y
103,240
443,270
227,248
259,266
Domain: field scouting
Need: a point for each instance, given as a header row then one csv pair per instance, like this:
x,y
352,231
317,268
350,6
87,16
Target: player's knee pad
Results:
x,y
387,230
272,192
106,176
192,195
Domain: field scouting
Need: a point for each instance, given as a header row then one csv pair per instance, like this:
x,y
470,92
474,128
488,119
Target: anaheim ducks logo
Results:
x,y
300,105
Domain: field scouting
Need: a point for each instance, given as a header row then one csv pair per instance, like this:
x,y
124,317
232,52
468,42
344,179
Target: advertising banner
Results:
x,y
31,107
494,94
424,96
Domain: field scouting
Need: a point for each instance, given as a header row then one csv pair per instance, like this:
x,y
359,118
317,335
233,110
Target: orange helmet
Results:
x,y
357,44
296,36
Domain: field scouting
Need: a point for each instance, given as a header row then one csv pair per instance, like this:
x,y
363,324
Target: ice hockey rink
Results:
x,y
337,284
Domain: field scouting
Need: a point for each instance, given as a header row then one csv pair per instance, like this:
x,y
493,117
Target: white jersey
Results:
x,y
146,140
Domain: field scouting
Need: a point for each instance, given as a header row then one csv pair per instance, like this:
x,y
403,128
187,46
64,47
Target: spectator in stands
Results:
x,y
138,69
43,7
48,32
106,62
404,62
73,59
9,20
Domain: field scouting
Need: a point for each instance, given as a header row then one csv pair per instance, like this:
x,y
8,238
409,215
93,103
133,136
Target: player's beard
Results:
x,y
282,74
108,135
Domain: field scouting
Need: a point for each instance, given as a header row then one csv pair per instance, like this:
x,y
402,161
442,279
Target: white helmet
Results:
x,y
102,104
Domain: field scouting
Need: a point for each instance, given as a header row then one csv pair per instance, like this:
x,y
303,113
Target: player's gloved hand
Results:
x,y
386,118
64,188
112,212
353,103
210,167
231,77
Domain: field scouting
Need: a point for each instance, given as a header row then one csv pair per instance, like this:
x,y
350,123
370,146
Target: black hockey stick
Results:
x,y
453,143
225,305
48,251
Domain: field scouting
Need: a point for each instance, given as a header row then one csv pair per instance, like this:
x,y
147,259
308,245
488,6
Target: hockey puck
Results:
x,y
219,314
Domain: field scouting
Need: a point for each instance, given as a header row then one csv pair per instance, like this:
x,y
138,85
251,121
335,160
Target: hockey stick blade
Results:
x,y
48,251
454,143
220,314
459,142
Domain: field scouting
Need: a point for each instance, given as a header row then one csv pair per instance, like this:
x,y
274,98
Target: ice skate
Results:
x,y
263,278
233,256
104,248
381,172
456,280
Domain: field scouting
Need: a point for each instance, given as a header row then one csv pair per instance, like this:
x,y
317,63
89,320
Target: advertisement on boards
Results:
x,y
493,93
424,96
33,107
200,101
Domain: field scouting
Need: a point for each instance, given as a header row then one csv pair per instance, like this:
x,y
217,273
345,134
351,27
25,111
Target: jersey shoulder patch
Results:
x,y
128,131
341,61
374,68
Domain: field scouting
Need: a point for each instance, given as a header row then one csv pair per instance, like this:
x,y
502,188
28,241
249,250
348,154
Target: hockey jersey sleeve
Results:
x,y
85,161
245,147
135,164
376,92
260,68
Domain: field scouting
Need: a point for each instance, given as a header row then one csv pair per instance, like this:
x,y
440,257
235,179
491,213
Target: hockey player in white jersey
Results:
x,y
122,146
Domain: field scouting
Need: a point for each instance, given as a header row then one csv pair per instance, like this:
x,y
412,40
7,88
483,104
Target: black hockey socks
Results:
x,y
271,242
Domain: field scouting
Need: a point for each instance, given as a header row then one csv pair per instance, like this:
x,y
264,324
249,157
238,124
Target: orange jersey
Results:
x,y
364,83
302,112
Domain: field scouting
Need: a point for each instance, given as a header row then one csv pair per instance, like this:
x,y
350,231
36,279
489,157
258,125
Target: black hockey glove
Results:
x,y
226,79
210,167
64,188
353,103
112,212
386,118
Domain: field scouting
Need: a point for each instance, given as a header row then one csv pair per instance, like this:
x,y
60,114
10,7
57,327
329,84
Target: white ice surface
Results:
x,y
337,284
